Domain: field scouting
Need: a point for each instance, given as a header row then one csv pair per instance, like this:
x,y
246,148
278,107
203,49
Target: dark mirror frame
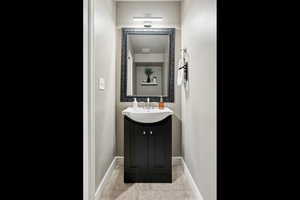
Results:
x,y
147,31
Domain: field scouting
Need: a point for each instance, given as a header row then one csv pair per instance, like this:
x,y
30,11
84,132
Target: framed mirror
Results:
x,y
147,64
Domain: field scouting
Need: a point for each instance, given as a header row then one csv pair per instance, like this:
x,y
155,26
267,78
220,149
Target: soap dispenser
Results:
x,y
161,103
135,104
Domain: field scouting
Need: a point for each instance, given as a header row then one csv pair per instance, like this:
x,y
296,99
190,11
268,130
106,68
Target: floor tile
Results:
x,y
179,189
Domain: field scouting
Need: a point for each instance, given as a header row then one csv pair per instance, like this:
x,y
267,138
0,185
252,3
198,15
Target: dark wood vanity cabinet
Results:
x,y
148,151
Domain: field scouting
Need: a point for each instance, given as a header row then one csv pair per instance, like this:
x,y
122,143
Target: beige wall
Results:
x,y
105,105
199,101
171,13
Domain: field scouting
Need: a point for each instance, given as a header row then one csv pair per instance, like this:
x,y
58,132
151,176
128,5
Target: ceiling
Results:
x,y
156,43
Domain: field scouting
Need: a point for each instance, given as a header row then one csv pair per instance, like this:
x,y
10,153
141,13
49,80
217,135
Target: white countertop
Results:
x,y
147,115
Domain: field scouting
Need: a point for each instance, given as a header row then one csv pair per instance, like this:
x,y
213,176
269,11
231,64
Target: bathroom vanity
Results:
x,y
147,145
147,72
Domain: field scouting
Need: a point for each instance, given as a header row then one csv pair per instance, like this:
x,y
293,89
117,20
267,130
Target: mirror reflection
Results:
x,y
147,65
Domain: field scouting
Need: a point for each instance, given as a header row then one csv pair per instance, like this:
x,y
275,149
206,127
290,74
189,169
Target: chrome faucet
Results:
x,y
148,103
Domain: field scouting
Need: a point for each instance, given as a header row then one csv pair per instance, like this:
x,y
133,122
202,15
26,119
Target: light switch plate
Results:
x,y
101,84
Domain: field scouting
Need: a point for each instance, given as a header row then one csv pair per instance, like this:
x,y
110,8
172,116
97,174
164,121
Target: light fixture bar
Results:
x,y
152,19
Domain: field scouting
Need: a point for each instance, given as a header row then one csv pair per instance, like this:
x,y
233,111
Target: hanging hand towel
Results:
x,y
180,73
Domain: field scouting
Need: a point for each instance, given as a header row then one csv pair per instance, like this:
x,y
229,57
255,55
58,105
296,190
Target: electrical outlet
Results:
x,y
101,84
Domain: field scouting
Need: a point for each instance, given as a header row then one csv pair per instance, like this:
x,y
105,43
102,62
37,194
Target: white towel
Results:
x,y
180,76
180,73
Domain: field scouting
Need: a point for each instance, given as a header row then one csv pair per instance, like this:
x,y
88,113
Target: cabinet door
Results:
x,y
160,148
136,144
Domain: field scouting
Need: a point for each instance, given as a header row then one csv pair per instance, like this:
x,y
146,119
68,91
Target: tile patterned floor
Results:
x,y
179,189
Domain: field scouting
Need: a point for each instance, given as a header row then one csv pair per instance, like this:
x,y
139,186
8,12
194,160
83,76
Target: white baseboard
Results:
x,y
191,180
105,179
113,164
176,158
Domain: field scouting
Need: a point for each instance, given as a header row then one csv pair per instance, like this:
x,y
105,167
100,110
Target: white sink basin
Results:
x,y
147,115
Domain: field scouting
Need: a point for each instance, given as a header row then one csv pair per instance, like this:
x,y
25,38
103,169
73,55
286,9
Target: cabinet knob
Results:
x,y
144,132
150,132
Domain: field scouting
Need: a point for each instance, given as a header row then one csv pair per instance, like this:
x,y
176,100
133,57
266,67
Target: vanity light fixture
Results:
x,y
147,19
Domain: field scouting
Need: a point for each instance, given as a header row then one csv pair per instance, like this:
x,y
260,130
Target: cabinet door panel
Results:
x,y
160,146
138,147
136,144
